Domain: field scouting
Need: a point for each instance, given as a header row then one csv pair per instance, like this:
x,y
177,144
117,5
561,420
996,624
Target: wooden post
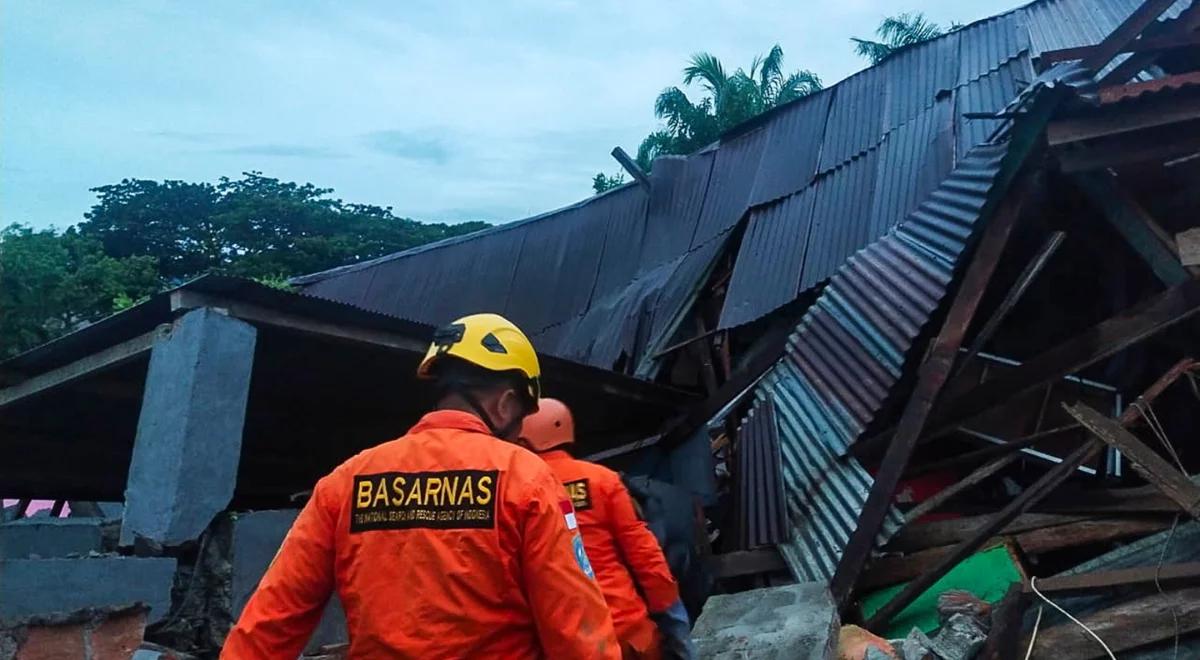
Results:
x,y
1135,225
1124,33
931,376
1153,468
1020,504
632,167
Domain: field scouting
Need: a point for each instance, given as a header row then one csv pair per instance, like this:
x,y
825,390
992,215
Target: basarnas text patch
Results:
x,y
454,499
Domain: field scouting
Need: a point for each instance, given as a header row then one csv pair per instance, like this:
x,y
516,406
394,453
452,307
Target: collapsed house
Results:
x,y
929,329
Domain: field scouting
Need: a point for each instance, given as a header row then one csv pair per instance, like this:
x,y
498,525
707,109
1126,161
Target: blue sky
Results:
x,y
443,110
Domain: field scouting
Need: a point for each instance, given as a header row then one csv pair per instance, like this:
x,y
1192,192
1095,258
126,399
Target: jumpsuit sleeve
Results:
x,y
641,551
572,618
290,598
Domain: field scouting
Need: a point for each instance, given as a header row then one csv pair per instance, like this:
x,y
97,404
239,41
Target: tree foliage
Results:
x,y
603,182
255,226
727,100
142,236
52,283
897,32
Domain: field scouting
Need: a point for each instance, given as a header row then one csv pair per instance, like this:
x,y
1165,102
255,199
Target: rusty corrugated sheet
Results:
x,y
850,349
760,502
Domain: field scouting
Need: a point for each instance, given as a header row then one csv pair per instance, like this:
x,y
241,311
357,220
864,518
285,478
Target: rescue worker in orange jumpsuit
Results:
x,y
650,619
448,542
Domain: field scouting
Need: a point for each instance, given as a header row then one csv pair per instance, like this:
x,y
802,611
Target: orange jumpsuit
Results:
x,y
629,564
444,543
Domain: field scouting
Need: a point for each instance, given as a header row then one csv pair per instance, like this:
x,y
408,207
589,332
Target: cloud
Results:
x,y
284,151
409,145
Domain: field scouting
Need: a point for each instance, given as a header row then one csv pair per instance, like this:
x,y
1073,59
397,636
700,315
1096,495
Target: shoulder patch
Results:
x,y
580,492
453,499
581,557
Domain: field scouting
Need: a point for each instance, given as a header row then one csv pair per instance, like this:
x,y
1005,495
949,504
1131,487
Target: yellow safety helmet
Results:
x,y
489,341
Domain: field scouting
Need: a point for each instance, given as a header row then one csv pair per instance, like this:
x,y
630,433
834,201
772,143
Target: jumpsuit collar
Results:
x,y
451,419
555,455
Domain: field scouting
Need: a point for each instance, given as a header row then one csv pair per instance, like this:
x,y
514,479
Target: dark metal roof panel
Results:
x,y
918,76
789,158
989,44
730,185
760,504
913,160
767,275
623,229
989,93
555,272
856,117
679,185
841,211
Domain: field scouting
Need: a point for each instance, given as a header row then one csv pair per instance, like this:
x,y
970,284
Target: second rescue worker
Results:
x,y
650,619
446,543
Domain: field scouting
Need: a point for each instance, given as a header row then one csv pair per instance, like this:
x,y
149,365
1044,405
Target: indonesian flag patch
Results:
x,y
568,512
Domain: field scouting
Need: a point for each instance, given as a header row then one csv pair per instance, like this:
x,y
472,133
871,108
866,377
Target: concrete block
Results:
x,y
49,537
255,540
34,587
798,621
189,436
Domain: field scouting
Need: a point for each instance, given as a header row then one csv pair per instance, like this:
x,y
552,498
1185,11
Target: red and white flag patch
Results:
x,y
568,512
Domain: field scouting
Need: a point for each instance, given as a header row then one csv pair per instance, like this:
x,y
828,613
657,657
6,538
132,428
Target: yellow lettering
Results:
x,y
398,491
364,495
414,494
381,495
485,490
432,488
467,494
451,490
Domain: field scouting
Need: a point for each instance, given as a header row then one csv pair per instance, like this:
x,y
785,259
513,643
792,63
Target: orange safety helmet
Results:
x,y
551,426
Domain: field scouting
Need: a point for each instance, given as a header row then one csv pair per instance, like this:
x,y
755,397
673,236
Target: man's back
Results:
x,y
628,562
439,545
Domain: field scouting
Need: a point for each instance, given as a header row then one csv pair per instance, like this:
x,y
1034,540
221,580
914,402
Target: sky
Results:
x,y
445,111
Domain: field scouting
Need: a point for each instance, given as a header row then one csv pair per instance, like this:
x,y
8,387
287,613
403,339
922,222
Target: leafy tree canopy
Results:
x,y
142,236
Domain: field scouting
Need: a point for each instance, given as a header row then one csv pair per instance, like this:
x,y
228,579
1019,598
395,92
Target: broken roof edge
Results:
x,y
159,309
312,278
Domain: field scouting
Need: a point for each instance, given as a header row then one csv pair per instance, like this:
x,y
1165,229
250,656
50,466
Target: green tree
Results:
x,y
255,226
603,182
729,99
897,32
52,283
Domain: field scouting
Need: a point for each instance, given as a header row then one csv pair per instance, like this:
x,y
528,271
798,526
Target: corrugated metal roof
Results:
x,y
760,503
1056,24
860,153
823,492
730,185
770,258
849,351
789,159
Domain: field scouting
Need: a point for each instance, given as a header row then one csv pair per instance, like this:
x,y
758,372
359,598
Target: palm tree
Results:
x,y
896,32
731,98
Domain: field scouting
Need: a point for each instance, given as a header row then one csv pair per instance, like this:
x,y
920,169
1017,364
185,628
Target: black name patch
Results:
x,y
581,494
455,499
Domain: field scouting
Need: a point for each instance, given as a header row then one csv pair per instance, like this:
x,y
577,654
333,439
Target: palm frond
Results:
x,y
798,84
907,29
706,68
874,51
772,68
